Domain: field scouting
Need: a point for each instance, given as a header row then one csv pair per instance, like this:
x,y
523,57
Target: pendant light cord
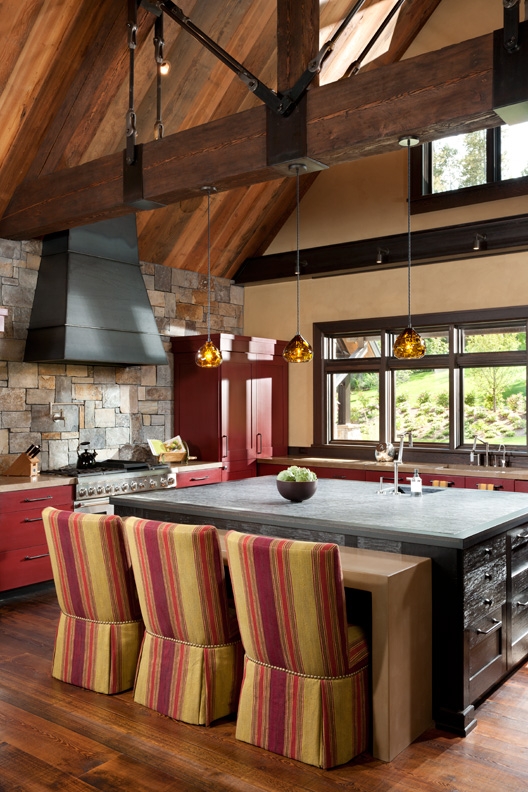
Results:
x,y
209,265
298,261
409,228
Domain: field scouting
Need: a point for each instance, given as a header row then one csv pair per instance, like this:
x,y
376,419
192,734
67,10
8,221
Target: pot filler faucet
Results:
x,y
397,461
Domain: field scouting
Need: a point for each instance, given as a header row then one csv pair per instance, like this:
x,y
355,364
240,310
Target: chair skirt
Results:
x,y
322,722
195,684
97,655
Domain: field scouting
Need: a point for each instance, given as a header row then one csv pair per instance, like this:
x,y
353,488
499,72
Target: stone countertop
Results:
x,y
16,483
456,518
387,468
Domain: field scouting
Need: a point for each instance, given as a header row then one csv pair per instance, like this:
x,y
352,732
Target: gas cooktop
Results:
x,y
106,467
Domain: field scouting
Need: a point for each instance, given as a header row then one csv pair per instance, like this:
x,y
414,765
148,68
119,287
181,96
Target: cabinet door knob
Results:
x,y
488,602
488,576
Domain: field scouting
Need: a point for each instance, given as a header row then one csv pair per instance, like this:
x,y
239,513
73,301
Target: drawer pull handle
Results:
x,y
32,519
339,477
259,443
488,576
488,602
522,604
495,626
522,535
198,478
225,448
32,558
488,550
34,500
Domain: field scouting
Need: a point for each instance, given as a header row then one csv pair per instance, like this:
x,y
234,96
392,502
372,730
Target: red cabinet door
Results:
x,y
270,407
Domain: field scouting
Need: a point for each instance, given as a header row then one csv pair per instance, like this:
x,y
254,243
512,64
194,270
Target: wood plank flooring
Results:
x,y
58,737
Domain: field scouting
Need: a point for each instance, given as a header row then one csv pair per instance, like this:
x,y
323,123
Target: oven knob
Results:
x,y
108,488
124,487
91,491
133,485
171,480
163,482
117,488
100,489
82,492
141,485
153,484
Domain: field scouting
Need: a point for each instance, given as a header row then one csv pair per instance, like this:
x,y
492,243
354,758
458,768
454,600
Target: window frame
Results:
x,y
455,361
495,188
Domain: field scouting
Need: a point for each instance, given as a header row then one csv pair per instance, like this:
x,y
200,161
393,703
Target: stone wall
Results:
x,y
114,409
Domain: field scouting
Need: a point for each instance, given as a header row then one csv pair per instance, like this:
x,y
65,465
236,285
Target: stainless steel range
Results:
x,y
113,477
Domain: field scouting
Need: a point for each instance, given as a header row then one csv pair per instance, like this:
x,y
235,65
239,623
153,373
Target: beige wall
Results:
x,y
367,199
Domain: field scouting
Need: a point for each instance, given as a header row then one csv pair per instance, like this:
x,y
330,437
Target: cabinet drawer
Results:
x,y
481,554
24,528
22,500
518,538
24,567
444,477
487,660
198,477
519,626
508,485
347,474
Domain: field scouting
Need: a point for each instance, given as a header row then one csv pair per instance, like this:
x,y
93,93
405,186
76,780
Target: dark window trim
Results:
x,y
454,361
496,189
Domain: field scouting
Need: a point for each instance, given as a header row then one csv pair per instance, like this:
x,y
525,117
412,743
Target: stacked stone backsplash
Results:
x,y
116,410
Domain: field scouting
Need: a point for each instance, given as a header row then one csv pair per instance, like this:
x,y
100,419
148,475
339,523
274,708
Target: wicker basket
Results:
x,y
173,456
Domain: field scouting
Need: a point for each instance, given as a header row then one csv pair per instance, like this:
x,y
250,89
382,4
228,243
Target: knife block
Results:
x,y
23,466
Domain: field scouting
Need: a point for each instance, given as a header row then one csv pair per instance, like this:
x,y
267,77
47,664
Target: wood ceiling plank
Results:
x,y
434,94
94,88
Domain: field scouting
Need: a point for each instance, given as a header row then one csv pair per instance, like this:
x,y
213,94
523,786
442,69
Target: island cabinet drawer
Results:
x,y
37,498
476,482
24,567
485,642
484,580
198,477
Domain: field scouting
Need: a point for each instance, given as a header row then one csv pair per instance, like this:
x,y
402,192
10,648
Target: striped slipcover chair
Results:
x,y
305,687
100,626
191,660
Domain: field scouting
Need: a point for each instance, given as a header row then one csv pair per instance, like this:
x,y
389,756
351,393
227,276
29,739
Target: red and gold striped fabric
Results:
x,y
191,660
305,687
100,626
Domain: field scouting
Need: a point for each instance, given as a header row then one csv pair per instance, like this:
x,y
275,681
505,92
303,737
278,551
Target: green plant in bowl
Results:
x,y
297,483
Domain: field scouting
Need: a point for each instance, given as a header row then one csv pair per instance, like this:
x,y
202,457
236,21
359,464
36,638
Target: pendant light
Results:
x,y
208,356
298,350
409,343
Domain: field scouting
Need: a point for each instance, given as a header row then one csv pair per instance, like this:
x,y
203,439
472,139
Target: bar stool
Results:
x,y
305,688
100,627
191,660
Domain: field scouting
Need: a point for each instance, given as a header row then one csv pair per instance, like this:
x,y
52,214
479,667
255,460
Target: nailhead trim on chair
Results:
x,y
187,643
94,621
306,676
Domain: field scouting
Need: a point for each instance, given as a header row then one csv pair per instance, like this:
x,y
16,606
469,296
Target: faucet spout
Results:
x,y
402,438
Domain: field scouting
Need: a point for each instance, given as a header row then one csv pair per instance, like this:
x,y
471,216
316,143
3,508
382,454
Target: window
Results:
x,y
469,168
471,382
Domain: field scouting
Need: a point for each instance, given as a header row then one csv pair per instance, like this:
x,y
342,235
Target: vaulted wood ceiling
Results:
x,y
64,75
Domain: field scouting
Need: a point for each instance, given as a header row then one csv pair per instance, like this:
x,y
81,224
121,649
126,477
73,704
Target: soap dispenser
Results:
x,y
416,484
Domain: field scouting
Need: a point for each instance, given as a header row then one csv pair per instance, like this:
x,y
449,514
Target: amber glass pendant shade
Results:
x,y
208,356
298,350
409,344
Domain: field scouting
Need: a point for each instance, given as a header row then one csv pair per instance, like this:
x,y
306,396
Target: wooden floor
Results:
x,y
55,736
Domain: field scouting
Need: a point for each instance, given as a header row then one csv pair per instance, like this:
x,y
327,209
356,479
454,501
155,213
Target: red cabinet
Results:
x,y
505,484
24,556
195,478
237,412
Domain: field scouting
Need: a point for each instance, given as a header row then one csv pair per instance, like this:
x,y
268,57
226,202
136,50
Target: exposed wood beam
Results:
x,y
506,235
432,95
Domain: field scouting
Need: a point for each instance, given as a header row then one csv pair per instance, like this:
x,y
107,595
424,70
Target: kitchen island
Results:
x,y
477,540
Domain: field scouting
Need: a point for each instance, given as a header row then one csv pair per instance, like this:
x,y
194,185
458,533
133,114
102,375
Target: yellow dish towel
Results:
x,y
485,486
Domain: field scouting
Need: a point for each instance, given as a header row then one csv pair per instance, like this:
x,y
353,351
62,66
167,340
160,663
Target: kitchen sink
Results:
x,y
406,489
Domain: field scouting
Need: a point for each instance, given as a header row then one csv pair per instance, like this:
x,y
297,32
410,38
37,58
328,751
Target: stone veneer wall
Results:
x,y
115,409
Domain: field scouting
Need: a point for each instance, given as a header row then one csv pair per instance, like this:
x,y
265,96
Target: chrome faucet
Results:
x,y
477,439
502,449
400,449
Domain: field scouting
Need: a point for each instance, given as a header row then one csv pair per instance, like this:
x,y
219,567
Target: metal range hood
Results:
x,y
91,304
